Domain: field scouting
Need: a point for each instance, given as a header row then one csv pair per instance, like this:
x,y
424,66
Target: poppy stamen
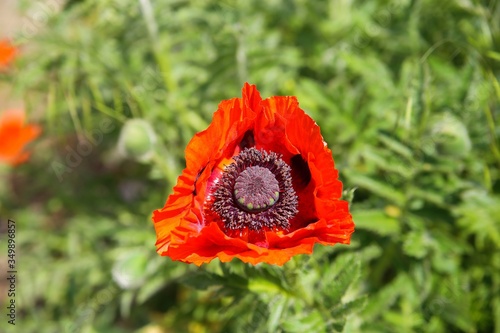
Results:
x,y
255,192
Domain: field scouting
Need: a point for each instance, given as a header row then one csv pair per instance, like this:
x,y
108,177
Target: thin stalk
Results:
x,y
162,58
74,115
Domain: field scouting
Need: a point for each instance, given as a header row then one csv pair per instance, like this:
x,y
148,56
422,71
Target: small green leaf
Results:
x,y
347,308
396,146
350,273
275,313
378,187
313,322
262,285
417,244
376,221
129,271
202,280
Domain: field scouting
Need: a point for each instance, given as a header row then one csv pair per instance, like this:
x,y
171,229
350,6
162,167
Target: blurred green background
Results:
x,y
407,96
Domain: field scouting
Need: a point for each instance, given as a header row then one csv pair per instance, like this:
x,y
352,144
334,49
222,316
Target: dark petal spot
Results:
x,y
196,179
248,140
300,172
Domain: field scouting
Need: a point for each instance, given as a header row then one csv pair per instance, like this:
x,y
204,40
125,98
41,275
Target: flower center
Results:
x,y
254,193
256,189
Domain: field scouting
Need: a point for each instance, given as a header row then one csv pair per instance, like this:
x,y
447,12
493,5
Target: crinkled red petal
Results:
x,y
7,53
14,136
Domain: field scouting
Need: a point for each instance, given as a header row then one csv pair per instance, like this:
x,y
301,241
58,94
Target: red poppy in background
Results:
x,y
259,184
7,53
14,135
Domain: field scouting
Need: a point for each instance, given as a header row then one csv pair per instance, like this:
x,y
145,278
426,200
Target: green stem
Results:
x,y
162,59
159,161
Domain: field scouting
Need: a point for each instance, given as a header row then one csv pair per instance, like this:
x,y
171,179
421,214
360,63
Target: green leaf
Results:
x,y
276,311
396,146
263,285
386,191
479,215
202,280
338,288
496,313
417,244
312,322
350,307
384,299
130,269
376,221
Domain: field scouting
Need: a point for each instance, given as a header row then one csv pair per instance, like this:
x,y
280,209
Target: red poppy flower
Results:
x,y
259,185
7,53
14,135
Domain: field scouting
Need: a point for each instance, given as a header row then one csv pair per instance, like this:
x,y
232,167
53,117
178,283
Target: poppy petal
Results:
x,y
14,135
7,53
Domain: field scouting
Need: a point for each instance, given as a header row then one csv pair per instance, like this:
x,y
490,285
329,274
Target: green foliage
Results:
x,y
407,96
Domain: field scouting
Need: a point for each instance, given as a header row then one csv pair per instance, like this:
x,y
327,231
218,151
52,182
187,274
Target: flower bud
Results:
x,y
137,140
450,136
